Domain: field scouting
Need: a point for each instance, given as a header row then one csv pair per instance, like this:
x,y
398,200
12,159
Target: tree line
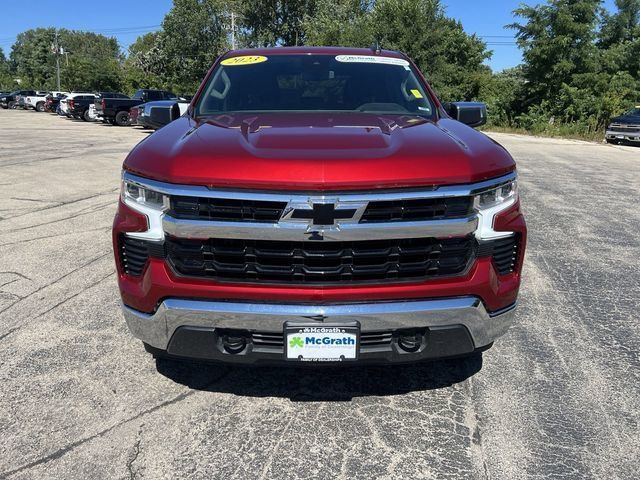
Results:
x,y
581,63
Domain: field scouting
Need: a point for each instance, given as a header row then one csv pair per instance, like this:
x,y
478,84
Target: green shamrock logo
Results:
x,y
296,342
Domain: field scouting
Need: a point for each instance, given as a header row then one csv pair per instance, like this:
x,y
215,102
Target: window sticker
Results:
x,y
416,93
244,60
372,59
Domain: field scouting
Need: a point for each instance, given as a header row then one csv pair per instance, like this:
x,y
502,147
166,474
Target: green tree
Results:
x,y
193,35
138,66
557,40
275,22
33,59
91,61
622,26
451,59
340,23
7,81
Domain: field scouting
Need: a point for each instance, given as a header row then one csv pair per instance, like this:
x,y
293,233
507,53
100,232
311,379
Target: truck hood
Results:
x,y
626,120
296,151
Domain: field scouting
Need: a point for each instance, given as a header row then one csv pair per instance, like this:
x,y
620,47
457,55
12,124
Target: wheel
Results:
x,y
40,107
122,119
85,116
12,105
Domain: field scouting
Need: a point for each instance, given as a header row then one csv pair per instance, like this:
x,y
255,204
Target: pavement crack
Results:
x,y
15,273
472,422
133,474
73,445
46,237
40,289
4,335
61,302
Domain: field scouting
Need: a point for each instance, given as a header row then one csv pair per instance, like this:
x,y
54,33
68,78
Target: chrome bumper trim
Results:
x,y
156,329
301,232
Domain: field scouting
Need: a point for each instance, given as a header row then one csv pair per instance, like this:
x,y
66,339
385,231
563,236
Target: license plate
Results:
x,y
322,343
621,137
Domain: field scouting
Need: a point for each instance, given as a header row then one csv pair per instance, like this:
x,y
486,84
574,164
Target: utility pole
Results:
x,y
56,50
233,31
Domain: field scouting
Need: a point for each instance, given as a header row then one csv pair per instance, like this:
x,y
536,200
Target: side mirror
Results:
x,y
473,114
163,115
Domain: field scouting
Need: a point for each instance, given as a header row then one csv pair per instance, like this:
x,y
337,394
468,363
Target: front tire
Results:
x,y
85,116
122,119
40,107
12,105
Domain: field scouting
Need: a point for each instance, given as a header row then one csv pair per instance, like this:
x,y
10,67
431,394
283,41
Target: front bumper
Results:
x,y
623,136
196,328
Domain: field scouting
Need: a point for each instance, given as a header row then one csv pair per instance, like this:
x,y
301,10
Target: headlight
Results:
x,y
148,202
491,202
497,196
144,196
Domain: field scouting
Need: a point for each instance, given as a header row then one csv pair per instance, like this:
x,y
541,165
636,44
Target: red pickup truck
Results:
x,y
319,205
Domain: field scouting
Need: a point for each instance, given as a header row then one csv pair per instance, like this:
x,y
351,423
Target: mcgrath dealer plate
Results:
x,y
324,342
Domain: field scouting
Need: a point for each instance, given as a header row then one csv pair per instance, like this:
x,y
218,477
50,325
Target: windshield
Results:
x,y
314,83
633,112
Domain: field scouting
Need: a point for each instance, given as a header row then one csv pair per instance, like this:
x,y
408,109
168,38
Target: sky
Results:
x,y
127,19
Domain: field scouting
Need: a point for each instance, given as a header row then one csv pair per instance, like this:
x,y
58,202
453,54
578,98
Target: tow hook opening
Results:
x,y
234,342
411,341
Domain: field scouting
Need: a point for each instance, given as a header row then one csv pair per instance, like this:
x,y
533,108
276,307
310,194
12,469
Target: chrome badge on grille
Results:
x,y
323,212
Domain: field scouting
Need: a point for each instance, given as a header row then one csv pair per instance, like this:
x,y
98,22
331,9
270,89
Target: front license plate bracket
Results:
x,y
321,342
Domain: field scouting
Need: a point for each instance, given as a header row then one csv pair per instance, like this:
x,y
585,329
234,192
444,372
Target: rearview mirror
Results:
x,y
473,114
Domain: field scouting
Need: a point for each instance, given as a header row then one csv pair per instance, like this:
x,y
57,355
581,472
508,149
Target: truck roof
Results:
x,y
312,50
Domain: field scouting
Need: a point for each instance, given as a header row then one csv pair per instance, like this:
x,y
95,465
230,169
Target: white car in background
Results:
x,y
38,101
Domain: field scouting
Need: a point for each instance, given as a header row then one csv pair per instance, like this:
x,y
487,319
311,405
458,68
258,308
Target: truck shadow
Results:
x,y
326,384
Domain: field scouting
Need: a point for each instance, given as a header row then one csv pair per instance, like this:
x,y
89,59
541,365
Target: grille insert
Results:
x,y
418,209
320,262
624,128
221,209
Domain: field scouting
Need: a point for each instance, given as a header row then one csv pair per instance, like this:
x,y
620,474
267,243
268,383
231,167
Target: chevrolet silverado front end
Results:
x,y
318,205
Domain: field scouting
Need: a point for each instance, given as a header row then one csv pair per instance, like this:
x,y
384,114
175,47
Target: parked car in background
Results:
x,y
78,106
96,112
156,115
625,128
39,100
64,102
134,113
81,106
52,101
10,100
21,98
116,110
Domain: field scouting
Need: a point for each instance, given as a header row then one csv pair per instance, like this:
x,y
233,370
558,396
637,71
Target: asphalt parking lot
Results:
x,y
558,397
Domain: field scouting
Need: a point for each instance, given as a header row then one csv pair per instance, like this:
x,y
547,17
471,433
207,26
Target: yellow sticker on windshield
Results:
x,y
416,93
245,60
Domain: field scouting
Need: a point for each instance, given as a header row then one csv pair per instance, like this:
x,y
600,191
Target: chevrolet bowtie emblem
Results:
x,y
323,212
